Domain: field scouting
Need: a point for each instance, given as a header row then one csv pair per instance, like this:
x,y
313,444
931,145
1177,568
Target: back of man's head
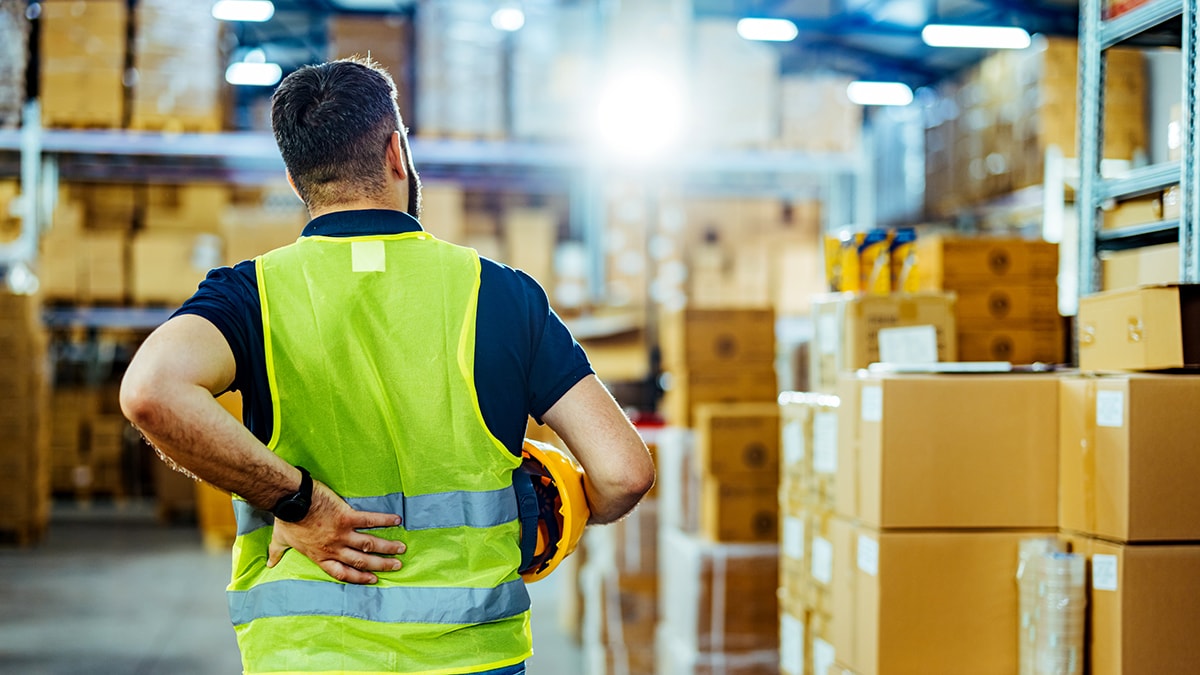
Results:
x,y
332,123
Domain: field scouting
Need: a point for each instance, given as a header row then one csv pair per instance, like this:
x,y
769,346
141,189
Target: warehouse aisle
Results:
x,y
112,592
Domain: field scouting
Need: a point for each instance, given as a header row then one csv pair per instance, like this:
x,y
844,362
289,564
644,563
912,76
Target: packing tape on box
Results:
x,y
1089,454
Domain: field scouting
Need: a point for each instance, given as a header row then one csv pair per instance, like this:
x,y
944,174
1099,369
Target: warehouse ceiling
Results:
x,y
869,39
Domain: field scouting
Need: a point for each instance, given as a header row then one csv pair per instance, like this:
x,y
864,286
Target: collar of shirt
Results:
x,y
361,223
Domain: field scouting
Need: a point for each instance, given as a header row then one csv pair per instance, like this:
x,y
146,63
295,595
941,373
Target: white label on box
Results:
x,y
825,442
793,443
791,644
1104,572
908,344
872,404
1110,409
823,656
822,560
868,555
827,333
793,538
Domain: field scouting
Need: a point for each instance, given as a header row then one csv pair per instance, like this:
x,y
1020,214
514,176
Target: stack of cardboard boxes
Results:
x,y
14,55
460,78
388,40
87,443
1006,290
83,63
177,59
24,428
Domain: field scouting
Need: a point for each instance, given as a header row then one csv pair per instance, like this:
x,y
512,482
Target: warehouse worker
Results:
x,y
399,371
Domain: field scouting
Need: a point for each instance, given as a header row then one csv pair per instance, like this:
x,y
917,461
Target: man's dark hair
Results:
x,y
332,123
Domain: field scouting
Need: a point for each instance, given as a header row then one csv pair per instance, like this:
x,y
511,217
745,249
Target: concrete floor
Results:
x,y
112,591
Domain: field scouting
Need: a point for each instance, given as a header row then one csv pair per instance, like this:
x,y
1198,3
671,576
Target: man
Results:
x,y
399,372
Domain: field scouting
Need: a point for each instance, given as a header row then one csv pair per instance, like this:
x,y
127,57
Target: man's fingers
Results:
x,y
366,520
343,572
368,543
275,553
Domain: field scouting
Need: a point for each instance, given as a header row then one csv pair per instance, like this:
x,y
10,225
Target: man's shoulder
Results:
x,y
500,278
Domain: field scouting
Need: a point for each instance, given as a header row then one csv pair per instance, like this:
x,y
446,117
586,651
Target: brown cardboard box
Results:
x,y
1136,211
252,231
1147,328
949,262
930,603
1143,606
808,447
987,305
1128,464
195,207
1145,266
529,239
168,266
103,266
954,451
735,510
846,330
717,385
1020,344
699,338
443,213
735,439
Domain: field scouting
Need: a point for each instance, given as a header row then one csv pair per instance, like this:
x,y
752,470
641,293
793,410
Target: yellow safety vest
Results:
x,y
370,348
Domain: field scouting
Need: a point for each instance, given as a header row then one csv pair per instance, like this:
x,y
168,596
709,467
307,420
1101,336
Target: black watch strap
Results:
x,y
294,507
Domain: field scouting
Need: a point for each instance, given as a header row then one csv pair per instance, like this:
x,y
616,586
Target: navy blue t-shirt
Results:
x,y
525,358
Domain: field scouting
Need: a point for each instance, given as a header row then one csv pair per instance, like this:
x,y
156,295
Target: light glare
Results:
x,y
639,115
253,74
255,11
879,93
508,19
767,30
975,37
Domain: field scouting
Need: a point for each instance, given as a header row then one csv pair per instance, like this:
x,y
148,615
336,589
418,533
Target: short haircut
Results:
x,y
332,123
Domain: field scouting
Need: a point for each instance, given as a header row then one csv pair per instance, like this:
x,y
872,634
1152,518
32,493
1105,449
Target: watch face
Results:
x,y
292,510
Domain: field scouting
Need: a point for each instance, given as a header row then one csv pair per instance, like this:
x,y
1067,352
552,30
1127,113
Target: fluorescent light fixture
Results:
x,y
879,93
767,30
243,10
640,115
253,74
509,19
975,37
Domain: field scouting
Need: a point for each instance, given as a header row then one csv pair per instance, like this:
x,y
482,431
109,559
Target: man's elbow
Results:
x,y
140,401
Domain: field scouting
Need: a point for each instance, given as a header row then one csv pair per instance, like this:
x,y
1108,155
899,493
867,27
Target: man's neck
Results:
x,y
361,205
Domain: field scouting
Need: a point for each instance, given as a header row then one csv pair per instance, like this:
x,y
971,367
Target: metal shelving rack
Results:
x,y
1095,36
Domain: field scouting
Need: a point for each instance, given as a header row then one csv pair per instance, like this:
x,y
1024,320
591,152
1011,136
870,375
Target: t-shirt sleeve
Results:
x,y
228,299
557,360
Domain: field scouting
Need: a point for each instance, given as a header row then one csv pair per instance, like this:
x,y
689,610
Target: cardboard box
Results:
x,y
738,510
1128,464
1136,211
987,306
717,385
1150,265
168,266
738,439
700,338
949,262
929,602
102,266
952,451
443,212
1147,328
1143,606
529,239
809,448
846,330
251,231
1020,344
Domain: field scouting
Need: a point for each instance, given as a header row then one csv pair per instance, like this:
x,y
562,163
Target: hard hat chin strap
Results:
x,y
527,512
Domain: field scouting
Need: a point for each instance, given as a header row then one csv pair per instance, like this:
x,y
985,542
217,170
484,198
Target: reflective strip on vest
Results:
x,y
397,604
422,512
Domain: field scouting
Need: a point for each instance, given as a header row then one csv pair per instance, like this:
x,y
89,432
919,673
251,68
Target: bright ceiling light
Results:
x,y
243,10
975,37
253,74
509,19
767,30
879,93
640,115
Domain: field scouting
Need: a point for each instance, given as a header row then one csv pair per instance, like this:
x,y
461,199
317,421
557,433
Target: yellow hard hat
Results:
x,y
553,508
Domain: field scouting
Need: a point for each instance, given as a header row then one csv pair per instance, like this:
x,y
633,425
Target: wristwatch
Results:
x,y
292,508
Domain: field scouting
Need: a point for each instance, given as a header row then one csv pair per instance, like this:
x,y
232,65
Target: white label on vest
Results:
x,y
1110,409
1104,572
868,555
368,256
822,560
825,442
823,656
872,404
793,538
791,644
793,443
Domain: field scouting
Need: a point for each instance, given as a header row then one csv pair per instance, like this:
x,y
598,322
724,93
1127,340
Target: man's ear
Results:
x,y
395,157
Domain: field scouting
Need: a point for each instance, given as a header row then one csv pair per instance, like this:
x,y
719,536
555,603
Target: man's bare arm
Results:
x,y
168,392
617,465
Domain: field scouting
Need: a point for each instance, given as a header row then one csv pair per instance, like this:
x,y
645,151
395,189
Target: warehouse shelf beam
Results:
x,y
1137,21
1136,236
1140,181
134,318
1189,202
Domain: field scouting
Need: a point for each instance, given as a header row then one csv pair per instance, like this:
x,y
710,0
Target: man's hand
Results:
x,y
329,536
